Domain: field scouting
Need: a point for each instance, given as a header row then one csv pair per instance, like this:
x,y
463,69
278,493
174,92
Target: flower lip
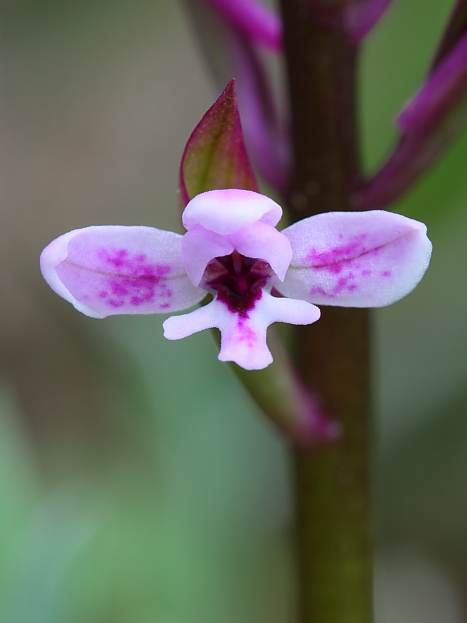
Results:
x,y
227,211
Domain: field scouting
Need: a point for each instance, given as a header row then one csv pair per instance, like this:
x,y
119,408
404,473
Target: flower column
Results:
x,y
332,481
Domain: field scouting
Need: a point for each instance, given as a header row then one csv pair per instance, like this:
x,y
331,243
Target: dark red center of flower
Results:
x,y
238,281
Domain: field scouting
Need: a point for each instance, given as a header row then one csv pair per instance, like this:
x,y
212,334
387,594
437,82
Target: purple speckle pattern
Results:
x,y
344,284
318,291
116,280
245,334
359,259
132,280
346,268
335,260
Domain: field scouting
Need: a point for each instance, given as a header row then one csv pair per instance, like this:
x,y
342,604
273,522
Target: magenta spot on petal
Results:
x,y
386,273
335,260
341,284
119,288
114,303
164,306
334,268
366,273
116,258
245,334
344,283
132,279
320,291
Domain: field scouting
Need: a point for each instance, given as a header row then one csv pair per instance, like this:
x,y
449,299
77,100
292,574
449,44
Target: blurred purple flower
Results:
x,y
429,122
454,31
235,50
363,15
253,19
356,17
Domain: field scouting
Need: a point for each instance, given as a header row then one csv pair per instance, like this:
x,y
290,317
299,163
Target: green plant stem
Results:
x,y
332,481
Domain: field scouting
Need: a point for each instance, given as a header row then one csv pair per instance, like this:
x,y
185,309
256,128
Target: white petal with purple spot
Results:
x,y
112,270
355,259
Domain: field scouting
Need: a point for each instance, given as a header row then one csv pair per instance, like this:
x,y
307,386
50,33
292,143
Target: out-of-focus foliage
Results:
x,y
138,483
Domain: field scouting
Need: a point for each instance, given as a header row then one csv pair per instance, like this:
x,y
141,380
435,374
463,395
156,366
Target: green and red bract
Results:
x,y
215,155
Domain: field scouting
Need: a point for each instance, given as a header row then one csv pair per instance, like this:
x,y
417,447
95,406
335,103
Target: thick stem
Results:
x,y
332,480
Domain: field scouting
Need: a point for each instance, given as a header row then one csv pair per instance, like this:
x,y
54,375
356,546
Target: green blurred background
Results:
x,y
138,483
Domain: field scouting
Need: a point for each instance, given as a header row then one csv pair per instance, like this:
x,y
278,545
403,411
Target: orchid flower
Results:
x,y
233,251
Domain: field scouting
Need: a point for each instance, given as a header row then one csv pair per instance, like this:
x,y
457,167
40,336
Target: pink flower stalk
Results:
x,y
363,15
428,123
454,31
232,53
356,17
233,251
253,19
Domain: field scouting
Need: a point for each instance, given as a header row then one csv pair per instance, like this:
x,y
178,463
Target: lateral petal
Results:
x,y
355,259
108,270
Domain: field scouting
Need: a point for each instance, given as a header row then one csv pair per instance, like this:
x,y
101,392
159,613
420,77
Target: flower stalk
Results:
x,y
429,122
332,482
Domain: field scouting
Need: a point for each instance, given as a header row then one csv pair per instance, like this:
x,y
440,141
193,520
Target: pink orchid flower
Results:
x,y
233,251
